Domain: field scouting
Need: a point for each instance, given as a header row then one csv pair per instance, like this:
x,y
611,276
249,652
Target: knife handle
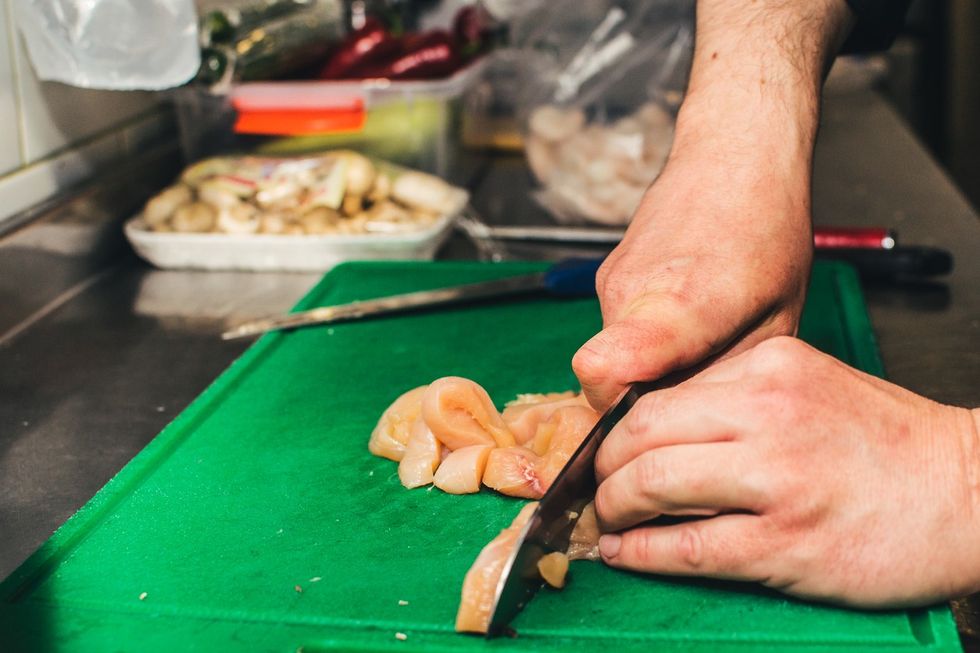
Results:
x,y
574,277
860,237
896,262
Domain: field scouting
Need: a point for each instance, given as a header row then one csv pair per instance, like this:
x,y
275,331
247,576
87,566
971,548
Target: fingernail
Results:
x,y
609,545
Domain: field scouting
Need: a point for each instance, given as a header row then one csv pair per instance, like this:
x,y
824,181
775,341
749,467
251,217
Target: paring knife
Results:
x,y
550,527
569,278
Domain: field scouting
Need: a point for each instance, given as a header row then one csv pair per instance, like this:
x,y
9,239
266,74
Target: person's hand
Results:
x,y
813,479
717,255
716,260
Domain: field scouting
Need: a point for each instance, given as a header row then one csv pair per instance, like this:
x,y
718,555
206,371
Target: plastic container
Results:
x,y
262,252
412,123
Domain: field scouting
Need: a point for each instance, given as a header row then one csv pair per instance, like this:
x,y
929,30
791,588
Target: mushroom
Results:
x,y
196,217
320,220
360,173
381,189
352,204
278,192
240,219
273,223
225,192
163,205
421,191
206,168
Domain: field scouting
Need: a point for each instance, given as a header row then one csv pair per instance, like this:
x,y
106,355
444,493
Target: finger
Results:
x,y
697,479
727,546
636,350
685,414
661,336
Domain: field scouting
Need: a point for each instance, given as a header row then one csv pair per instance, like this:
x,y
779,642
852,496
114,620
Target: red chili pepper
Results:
x,y
428,55
470,28
370,44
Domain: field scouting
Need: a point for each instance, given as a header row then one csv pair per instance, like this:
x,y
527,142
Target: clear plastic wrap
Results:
x,y
599,111
111,44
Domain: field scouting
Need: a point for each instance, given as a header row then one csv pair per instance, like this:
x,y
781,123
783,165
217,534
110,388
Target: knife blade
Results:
x,y
823,237
550,527
568,278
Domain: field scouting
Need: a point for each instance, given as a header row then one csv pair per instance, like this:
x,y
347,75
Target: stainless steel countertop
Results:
x,y
98,351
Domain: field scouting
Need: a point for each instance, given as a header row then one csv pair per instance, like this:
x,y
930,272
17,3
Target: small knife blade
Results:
x,y
569,278
550,527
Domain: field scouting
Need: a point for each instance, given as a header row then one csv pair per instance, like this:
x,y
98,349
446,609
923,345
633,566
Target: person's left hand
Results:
x,y
812,478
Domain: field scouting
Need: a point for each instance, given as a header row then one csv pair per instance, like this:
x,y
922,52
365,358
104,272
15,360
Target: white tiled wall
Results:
x,y
53,135
10,157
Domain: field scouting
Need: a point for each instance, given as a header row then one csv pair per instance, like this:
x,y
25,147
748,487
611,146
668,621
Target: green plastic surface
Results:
x,y
265,483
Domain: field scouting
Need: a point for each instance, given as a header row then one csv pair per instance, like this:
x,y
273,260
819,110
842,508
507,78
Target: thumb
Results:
x,y
635,349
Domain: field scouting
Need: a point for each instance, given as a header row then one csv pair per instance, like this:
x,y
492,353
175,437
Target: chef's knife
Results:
x,y
569,278
550,527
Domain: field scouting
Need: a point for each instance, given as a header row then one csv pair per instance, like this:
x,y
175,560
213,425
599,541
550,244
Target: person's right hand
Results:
x,y
814,479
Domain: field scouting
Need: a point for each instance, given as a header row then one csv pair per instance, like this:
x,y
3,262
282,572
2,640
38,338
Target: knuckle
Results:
x,y
651,476
603,504
606,456
690,548
645,411
638,549
779,351
602,465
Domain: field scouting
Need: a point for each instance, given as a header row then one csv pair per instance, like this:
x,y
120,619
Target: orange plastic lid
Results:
x,y
348,116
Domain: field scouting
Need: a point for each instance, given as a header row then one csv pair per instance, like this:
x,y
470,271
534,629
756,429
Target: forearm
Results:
x,y
755,79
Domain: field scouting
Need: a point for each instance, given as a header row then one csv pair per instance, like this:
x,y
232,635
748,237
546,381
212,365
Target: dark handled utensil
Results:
x,y
550,527
576,278
569,278
898,262
823,237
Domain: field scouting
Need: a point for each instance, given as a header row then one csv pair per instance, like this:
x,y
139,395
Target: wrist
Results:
x,y
739,131
965,424
754,89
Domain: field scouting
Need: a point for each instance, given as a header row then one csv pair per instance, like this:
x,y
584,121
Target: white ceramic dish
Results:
x,y
293,253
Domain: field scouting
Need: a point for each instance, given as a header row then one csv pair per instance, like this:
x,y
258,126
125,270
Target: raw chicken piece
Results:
x,y
523,415
596,172
584,543
534,398
514,471
462,470
480,584
422,457
460,414
571,425
529,472
395,426
553,568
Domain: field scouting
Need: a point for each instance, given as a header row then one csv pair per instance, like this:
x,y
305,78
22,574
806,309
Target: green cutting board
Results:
x,y
265,483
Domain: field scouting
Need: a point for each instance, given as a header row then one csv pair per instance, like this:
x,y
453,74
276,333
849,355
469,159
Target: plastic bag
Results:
x,y
111,44
599,109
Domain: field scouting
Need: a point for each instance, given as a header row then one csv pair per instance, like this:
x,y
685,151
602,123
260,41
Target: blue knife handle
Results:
x,y
574,277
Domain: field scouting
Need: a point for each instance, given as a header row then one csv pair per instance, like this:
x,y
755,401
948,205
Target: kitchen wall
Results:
x,y
54,136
